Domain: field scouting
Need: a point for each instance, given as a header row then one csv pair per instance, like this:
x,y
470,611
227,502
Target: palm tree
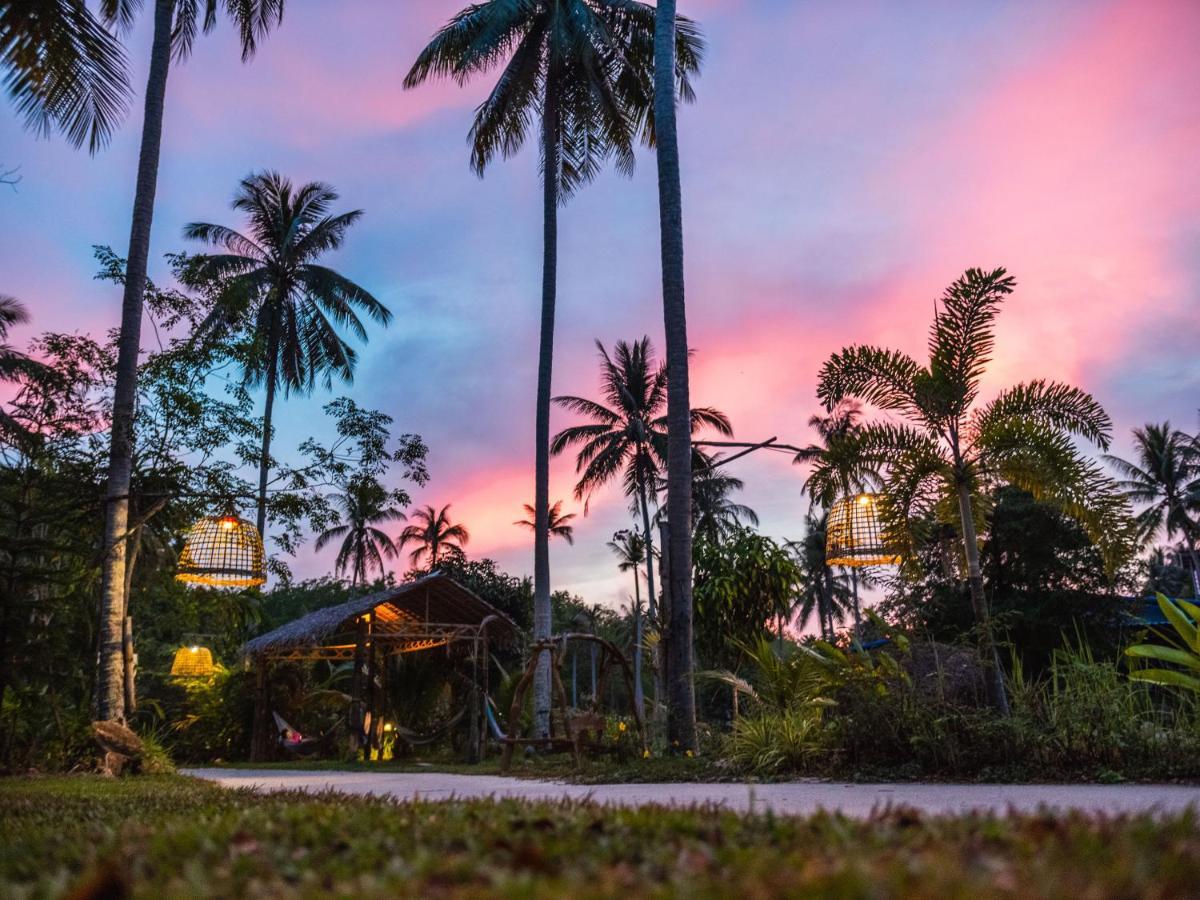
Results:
x,y
942,458
714,515
681,725
274,288
838,471
364,503
64,69
433,535
821,593
1164,475
13,363
627,433
175,27
630,548
558,522
584,67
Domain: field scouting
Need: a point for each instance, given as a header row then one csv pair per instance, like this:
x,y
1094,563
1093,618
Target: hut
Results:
x,y
421,615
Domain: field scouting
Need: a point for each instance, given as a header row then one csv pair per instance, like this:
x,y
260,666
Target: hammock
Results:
x,y
493,722
418,740
292,741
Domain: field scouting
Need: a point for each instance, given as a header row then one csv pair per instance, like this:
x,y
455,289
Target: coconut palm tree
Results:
x,y
627,433
949,450
559,522
1165,476
64,69
630,548
13,363
714,514
175,28
585,68
433,534
364,503
821,592
681,724
838,471
274,288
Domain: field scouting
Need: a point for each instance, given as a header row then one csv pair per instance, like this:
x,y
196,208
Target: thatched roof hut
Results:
x,y
433,611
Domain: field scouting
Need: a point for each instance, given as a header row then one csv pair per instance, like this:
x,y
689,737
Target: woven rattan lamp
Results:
x,y
192,662
853,536
223,551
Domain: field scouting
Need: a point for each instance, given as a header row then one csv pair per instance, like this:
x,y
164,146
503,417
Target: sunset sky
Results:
x,y
843,163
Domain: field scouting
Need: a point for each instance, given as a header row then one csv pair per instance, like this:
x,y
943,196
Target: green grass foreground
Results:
x,y
177,837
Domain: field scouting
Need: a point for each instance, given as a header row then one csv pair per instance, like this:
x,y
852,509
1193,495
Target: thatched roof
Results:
x,y
407,608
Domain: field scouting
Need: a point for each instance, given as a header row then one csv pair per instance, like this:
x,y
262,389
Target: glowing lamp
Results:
x,y
223,551
853,536
192,662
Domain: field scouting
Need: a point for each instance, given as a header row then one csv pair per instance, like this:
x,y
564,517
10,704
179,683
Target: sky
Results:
x,y
843,163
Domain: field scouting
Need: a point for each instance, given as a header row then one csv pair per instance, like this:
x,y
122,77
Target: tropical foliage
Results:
x,y
432,535
949,448
1184,618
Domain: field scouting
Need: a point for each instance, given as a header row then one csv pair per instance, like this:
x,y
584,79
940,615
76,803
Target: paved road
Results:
x,y
795,798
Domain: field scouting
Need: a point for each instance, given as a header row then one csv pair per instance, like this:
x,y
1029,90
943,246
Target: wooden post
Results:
x,y
356,685
372,715
258,728
484,730
130,660
473,732
664,611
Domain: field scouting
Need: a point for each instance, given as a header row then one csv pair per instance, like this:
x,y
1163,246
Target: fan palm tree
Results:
x,y
585,67
1165,476
175,26
64,69
432,534
558,522
627,433
630,548
274,288
942,458
364,504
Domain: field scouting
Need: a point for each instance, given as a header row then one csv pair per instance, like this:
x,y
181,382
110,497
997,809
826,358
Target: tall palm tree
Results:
x,y
364,504
432,534
627,433
681,721
1165,476
64,69
274,288
821,593
584,67
559,523
175,26
949,450
838,470
630,548
714,514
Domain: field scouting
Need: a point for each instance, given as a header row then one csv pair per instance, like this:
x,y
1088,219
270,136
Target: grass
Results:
x,y
173,836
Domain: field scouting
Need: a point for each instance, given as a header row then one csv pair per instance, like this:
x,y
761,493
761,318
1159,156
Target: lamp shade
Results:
x,y
853,536
192,662
223,551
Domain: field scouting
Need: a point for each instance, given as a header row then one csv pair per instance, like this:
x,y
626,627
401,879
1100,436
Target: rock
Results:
x,y
945,671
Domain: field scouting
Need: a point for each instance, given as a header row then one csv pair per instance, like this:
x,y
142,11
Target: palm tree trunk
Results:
x,y
681,694
828,603
110,673
638,699
993,674
264,461
857,612
656,619
541,498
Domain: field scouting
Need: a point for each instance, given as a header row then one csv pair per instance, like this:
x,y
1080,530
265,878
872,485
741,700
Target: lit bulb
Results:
x,y
864,499
194,649
228,523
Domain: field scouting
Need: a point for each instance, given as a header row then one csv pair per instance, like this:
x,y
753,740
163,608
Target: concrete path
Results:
x,y
793,798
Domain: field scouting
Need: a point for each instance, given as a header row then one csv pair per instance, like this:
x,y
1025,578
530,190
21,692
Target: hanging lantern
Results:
x,y
853,535
223,551
192,662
